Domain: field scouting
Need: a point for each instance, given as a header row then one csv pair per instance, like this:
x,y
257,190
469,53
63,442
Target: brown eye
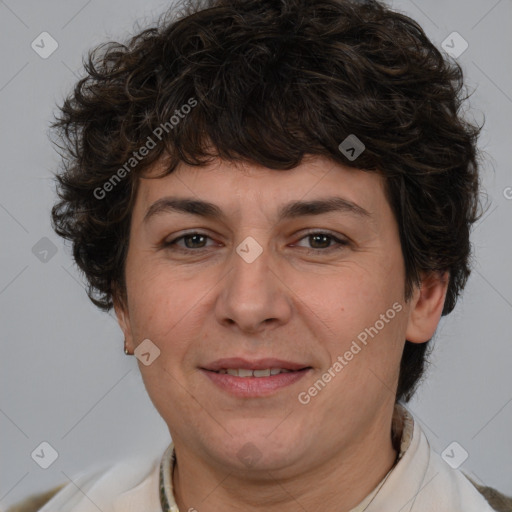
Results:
x,y
195,240
192,242
322,242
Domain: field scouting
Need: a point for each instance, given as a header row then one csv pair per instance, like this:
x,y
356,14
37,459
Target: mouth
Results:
x,y
264,377
241,365
248,372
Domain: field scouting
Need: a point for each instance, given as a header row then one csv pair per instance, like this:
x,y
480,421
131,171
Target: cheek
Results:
x,y
359,294
148,298
164,305
350,303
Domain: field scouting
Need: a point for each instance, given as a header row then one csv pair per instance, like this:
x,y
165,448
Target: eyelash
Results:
x,y
340,243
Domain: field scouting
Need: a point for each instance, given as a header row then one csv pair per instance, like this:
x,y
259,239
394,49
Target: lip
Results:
x,y
252,387
257,364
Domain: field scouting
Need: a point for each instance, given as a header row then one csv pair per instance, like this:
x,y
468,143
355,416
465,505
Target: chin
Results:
x,y
257,451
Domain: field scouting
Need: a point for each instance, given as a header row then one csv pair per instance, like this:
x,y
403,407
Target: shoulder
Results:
x,y
98,487
451,489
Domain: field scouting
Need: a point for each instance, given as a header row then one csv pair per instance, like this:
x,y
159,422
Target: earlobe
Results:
x,y
427,306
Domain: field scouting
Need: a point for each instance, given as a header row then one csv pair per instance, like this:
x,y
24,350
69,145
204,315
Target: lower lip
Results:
x,y
254,386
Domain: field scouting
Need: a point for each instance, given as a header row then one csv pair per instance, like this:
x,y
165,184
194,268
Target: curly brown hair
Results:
x,y
268,82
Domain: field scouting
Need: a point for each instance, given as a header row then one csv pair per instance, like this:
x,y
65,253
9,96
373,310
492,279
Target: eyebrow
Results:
x,y
290,210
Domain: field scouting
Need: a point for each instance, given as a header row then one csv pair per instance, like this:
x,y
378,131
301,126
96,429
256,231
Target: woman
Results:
x,y
316,146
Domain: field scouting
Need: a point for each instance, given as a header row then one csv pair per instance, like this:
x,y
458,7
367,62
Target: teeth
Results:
x,y
244,372
262,373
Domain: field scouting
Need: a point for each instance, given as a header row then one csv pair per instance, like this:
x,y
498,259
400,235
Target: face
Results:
x,y
317,291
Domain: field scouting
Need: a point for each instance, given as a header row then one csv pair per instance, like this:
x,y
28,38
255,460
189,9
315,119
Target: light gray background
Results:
x,y
64,376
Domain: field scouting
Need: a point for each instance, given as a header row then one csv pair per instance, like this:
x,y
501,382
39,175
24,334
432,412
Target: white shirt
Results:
x,y
421,481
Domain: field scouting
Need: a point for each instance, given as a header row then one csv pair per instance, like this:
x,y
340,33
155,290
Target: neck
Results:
x,y
338,484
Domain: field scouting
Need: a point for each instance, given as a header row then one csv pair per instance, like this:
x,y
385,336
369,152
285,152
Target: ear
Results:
x,y
123,318
426,307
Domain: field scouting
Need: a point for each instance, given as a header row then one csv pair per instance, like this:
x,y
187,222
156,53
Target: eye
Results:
x,y
196,242
323,240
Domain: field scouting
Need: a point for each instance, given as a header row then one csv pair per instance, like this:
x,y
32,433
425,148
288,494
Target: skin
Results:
x,y
305,307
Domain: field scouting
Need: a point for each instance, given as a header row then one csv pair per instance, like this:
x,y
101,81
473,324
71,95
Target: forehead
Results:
x,y
237,187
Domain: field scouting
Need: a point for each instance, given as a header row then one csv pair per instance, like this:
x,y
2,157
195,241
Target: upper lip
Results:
x,y
256,364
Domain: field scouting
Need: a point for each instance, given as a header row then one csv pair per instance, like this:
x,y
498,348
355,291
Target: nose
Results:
x,y
253,295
